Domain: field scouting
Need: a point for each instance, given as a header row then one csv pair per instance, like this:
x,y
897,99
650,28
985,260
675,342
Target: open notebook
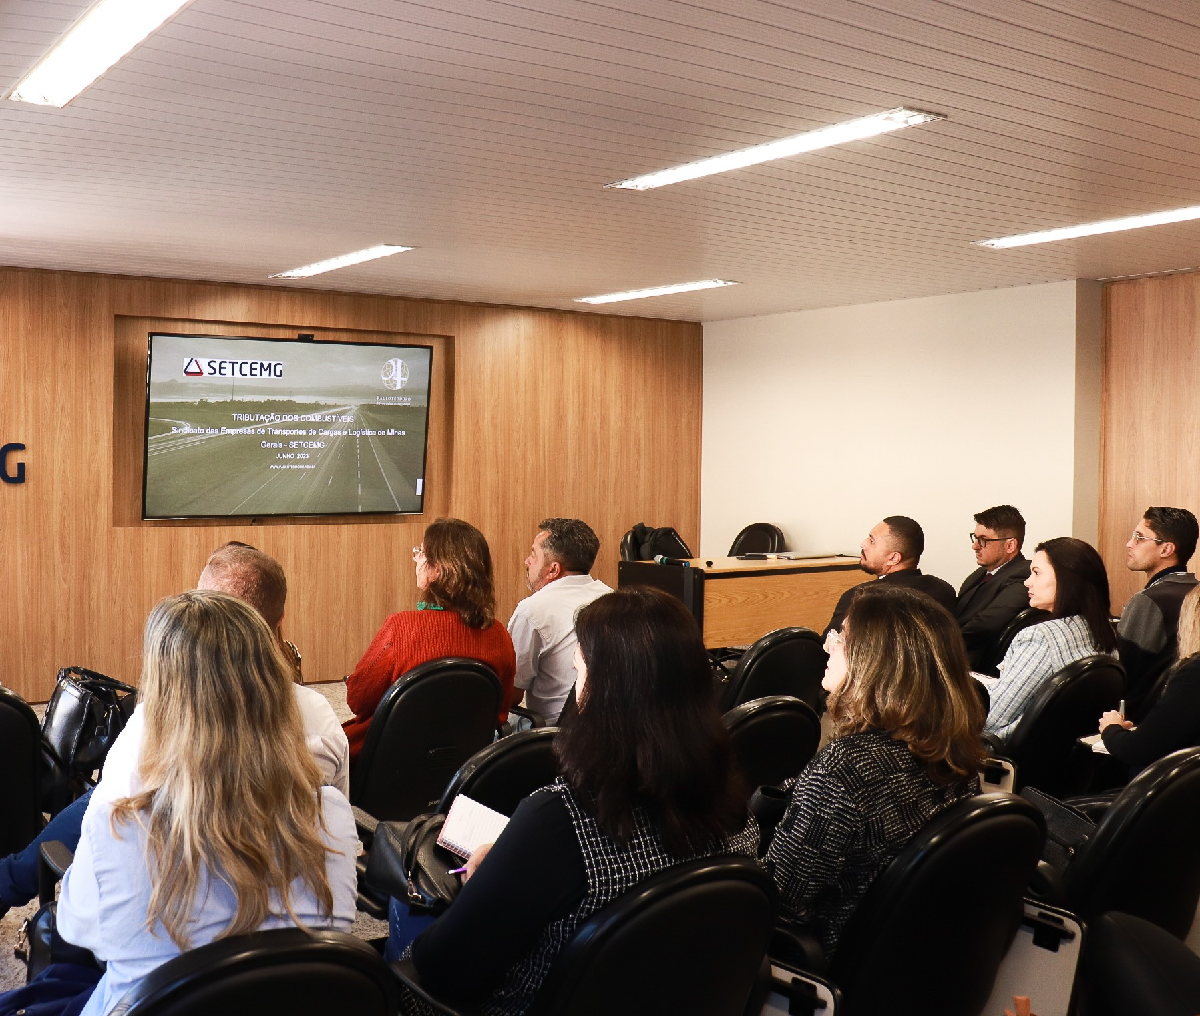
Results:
x,y
470,825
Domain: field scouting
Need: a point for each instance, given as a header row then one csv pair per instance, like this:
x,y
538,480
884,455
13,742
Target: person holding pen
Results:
x,y
1174,721
647,782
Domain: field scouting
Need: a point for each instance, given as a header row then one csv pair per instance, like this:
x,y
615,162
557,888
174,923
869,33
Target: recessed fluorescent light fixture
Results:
x,y
357,257
641,294
105,33
1093,228
810,141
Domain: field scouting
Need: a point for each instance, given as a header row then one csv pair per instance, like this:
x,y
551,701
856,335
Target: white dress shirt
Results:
x,y
543,633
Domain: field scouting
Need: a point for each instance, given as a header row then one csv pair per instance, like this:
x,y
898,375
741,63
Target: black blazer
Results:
x,y
983,610
912,578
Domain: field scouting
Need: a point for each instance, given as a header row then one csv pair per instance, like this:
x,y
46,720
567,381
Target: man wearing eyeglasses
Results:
x,y
994,593
1161,546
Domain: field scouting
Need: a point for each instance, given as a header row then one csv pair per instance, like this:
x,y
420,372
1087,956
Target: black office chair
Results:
x,y
773,738
1142,858
642,543
929,935
789,661
1026,619
1066,707
285,970
20,773
758,538
688,940
1132,966
503,774
429,722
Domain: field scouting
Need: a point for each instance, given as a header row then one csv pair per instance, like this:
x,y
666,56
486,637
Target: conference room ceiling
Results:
x,y
252,136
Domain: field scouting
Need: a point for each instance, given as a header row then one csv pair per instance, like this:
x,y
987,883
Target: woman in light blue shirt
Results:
x,y
1066,577
228,829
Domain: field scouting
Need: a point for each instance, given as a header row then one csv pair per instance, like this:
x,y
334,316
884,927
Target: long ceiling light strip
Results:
x,y
357,257
1093,228
641,294
810,141
106,32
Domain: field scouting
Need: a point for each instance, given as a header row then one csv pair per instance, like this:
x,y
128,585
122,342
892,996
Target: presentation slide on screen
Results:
x,y
263,427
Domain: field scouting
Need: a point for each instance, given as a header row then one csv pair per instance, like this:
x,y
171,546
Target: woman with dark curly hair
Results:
x,y
456,616
907,743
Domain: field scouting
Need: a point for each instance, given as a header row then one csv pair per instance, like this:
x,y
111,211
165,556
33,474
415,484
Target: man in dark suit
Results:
x,y
892,551
994,593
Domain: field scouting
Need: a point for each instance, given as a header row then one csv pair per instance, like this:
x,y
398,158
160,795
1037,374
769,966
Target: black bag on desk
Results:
x,y
407,863
83,718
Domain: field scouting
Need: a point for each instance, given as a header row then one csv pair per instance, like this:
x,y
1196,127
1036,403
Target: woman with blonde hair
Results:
x,y
228,829
455,616
1174,720
907,743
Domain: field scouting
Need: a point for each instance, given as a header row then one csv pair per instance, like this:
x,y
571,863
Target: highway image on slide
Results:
x,y
255,427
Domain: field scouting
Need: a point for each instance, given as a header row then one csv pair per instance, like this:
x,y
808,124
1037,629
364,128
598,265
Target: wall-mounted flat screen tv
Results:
x,y
268,427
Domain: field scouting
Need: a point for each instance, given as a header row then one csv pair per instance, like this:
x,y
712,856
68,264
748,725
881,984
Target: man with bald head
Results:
x,y
257,578
891,552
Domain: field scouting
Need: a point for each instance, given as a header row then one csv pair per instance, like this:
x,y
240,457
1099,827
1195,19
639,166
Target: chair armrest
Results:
x,y
366,824
536,721
1047,886
993,744
797,946
369,900
54,858
406,974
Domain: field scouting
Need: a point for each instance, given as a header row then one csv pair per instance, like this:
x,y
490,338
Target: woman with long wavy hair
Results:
x,y
907,743
228,829
455,616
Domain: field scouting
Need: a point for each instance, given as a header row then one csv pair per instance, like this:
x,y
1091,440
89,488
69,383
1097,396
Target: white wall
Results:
x,y
826,421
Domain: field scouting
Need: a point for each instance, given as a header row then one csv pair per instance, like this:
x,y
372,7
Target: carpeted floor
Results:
x,y
12,971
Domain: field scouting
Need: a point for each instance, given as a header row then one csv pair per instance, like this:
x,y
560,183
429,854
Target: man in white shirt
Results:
x,y
257,578
543,624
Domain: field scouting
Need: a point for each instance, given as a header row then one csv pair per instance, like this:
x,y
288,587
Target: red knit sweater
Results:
x,y
414,637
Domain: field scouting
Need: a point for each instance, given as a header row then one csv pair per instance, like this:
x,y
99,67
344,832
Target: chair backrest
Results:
x,y
929,935
643,542
773,738
20,770
285,970
1143,857
429,722
688,940
1026,619
758,538
789,661
504,773
1064,708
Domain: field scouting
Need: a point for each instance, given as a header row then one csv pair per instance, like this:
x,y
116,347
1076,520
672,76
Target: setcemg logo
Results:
x,y
196,367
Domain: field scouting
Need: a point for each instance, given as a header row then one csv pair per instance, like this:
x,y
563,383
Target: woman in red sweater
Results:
x,y
455,617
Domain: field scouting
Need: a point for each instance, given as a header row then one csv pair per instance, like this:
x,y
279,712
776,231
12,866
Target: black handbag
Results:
x,y
406,862
1067,828
39,944
83,718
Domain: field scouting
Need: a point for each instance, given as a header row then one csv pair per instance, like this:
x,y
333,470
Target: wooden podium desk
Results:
x,y
737,602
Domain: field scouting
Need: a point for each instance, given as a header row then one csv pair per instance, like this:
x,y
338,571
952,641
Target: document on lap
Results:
x,y
1096,743
469,826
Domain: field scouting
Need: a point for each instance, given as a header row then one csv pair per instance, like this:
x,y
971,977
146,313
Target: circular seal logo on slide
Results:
x,y
395,374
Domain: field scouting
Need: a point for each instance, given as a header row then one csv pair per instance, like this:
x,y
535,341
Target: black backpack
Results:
x,y
642,543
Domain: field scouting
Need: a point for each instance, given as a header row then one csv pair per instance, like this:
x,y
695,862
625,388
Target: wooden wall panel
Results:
x,y
543,413
1151,427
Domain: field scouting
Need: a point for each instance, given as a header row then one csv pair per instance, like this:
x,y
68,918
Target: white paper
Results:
x,y
470,825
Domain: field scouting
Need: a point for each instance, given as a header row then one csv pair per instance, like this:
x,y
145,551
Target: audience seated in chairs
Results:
x,y
228,828
647,783
455,617
907,745
1067,578
1174,721
258,579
